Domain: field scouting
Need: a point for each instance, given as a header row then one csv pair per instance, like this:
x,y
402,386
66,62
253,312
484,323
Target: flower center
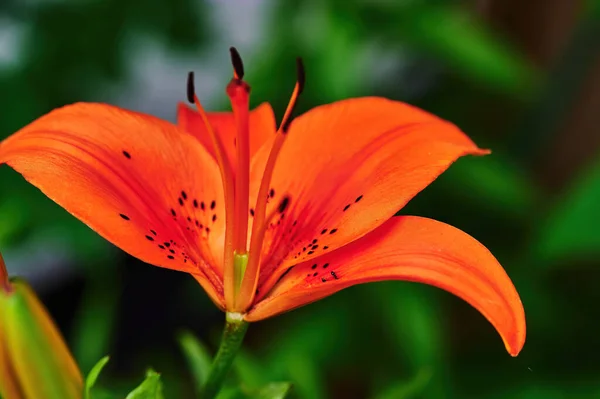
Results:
x,y
241,265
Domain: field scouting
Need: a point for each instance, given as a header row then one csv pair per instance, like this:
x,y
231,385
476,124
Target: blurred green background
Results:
x,y
520,77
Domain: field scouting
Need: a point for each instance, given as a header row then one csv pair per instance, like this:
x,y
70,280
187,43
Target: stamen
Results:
x,y
248,289
228,190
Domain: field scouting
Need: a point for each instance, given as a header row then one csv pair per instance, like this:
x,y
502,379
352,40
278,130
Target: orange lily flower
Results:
x,y
268,219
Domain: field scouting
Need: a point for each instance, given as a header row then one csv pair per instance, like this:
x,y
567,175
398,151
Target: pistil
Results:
x,y
238,92
250,280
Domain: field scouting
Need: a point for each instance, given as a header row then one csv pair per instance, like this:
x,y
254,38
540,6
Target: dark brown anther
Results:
x,y
191,91
236,61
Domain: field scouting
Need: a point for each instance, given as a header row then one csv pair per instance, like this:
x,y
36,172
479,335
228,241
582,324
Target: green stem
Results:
x,y
233,335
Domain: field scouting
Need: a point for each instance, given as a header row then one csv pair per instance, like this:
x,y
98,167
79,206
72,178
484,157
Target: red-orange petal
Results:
x,y
140,182
348,167
412,249
261,127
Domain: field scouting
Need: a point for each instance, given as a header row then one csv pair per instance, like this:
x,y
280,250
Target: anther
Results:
x,y
236,61
191,91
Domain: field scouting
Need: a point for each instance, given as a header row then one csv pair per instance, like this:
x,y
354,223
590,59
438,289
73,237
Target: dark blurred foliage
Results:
x,y
520,77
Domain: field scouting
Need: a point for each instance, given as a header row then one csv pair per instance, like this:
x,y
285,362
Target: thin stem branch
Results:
x,y
233,335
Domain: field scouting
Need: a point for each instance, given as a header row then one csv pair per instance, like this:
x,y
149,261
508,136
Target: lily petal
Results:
x,y
408,248
348,167
140,182
261,127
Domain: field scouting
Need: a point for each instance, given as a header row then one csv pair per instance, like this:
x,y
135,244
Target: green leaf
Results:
x,y
197,357
468,46
571,227
408,389
150,388
96,317
249,370
92,376
494,181
273,390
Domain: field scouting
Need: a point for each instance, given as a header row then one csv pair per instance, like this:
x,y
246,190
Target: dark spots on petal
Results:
x,y
314,266
332,231
314,247
189,219
310,252
271,193
124,216
315,274
325,247
150,238
195,202
334,275
183,195
168,244
207,230
202,206
197,223
214,218
323,231
161,246
283,205
323,279
346,207
127,155
172,251
170,257
173,212
251,212
304,249
358,198
314,241
213,204
295,222
326,265
153,232
180,201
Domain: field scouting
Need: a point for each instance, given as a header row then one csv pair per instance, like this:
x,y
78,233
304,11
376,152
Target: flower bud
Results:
x,y
34,360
